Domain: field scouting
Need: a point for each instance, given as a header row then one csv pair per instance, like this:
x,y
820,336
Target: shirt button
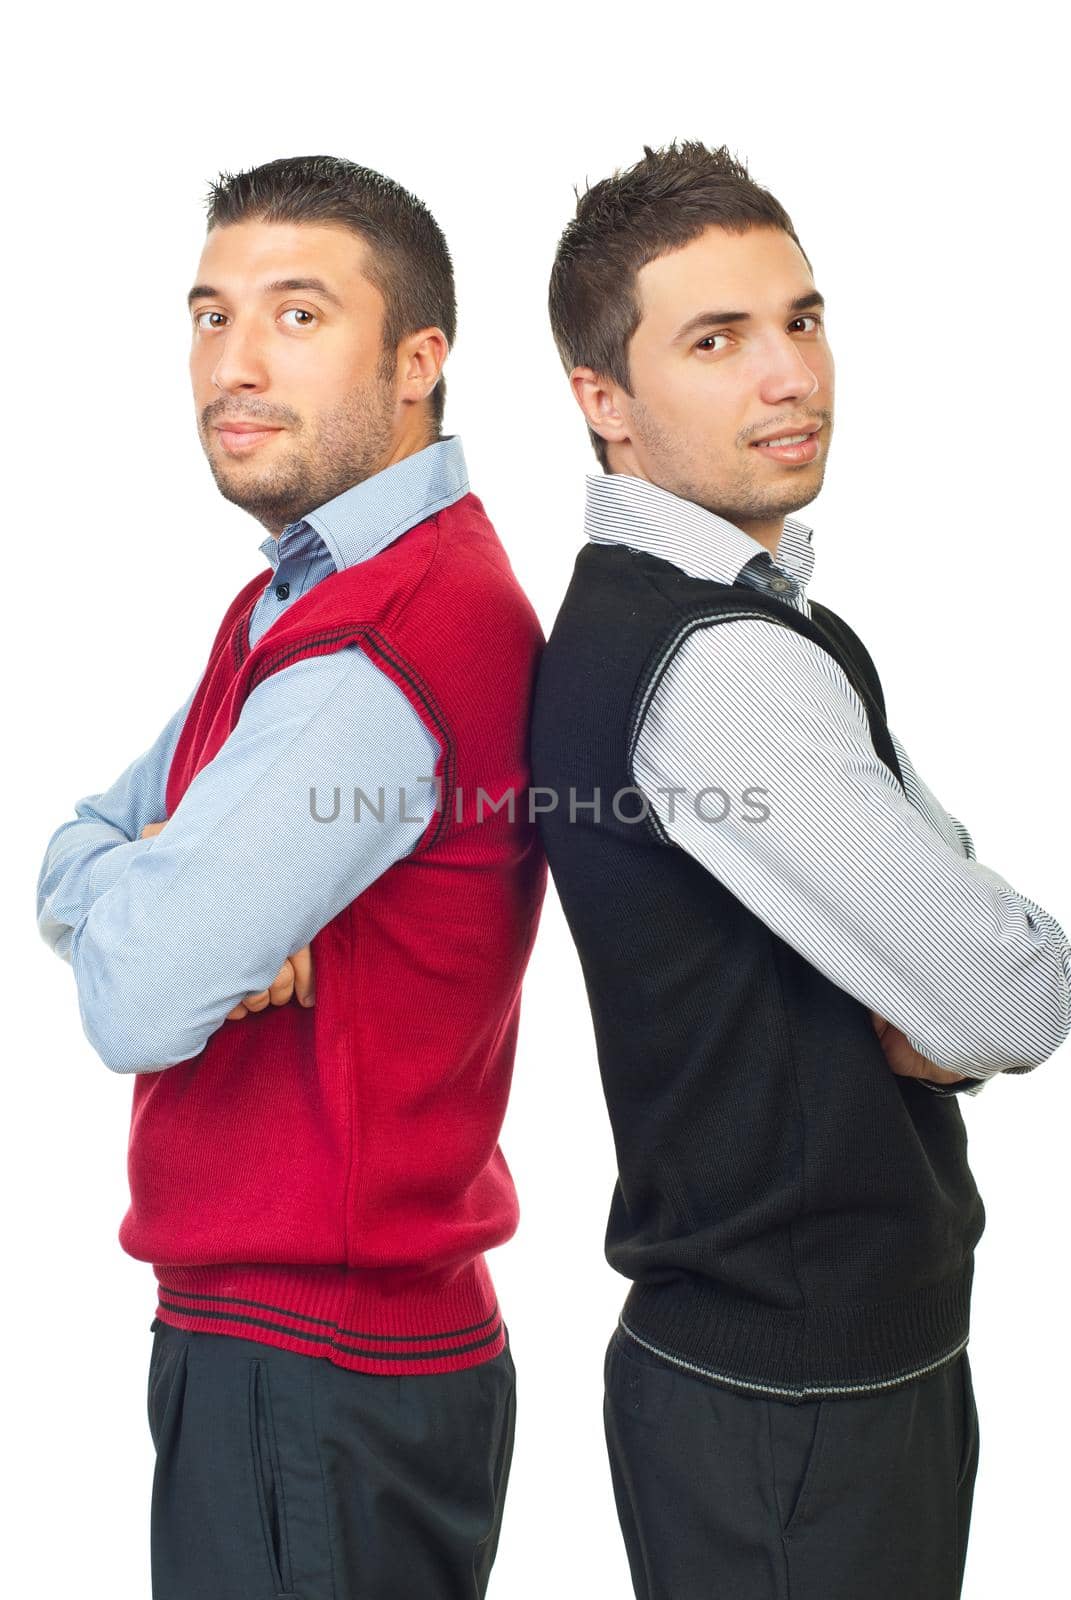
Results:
x,y
282,590
781,585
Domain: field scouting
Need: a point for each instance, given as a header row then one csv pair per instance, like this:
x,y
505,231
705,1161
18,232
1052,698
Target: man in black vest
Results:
x,y
794,962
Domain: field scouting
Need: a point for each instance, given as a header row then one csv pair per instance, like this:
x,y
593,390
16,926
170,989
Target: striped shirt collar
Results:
x,y
366,517
620,509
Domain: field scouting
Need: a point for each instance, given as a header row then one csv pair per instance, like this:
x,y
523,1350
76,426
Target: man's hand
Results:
x,y
294,976
904,1059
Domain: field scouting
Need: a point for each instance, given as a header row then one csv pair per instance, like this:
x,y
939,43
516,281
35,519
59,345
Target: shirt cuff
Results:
x,y
966,1086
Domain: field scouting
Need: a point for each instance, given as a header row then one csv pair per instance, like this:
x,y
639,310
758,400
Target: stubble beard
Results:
x,y
342,447
735,494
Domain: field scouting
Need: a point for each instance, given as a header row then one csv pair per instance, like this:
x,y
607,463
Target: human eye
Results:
x,y
300,311
705,341
199,314
811,316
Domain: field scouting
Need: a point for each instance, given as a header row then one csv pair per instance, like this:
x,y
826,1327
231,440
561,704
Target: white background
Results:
x,y
921,156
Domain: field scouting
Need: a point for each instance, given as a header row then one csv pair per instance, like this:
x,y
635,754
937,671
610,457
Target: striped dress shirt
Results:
x,y
243,853
876,886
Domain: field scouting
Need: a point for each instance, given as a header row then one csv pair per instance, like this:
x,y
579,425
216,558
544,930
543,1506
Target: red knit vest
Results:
x,y
326,1179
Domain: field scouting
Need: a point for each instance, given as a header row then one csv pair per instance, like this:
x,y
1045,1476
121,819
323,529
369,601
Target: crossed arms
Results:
x,y
170,929
877,888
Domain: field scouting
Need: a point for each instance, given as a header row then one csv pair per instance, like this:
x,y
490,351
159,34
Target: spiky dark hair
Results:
x,y
408,260
662,202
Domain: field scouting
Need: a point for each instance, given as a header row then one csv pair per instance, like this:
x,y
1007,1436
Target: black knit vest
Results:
x,y
797,1219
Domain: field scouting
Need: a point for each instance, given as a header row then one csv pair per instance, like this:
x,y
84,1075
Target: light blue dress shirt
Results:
x,y
166,935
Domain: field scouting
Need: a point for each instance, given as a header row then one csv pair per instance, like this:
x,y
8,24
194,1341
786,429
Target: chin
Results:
x,y
801,487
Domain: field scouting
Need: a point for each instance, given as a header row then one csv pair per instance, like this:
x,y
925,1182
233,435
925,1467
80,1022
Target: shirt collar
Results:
x,y
369,515
620,509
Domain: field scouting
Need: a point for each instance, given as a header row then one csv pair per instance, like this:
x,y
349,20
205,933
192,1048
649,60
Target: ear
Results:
x,y
420,360
597,398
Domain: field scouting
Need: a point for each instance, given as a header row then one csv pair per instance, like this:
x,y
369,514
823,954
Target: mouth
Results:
x,y
241,438
792,447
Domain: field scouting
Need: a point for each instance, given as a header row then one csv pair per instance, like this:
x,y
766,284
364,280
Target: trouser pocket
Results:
x,y
271,1497
968,1452
797,1438
166,1384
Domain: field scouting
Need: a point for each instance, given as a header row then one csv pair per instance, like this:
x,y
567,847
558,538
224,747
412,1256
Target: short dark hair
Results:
x,y
661,203
408,260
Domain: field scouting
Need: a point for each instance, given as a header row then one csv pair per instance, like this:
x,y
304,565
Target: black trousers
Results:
x,y
283,1474
735,1496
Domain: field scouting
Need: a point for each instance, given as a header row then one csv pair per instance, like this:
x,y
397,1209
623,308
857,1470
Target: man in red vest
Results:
x,y
302,919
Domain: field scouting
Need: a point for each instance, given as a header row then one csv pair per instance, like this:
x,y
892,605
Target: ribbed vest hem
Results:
x,y
365,1320
836,1350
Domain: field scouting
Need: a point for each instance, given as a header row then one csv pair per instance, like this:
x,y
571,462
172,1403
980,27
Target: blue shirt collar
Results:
x,y
369,515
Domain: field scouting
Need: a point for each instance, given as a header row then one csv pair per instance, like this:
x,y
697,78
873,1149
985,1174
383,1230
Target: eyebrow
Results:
x,y
205,291
805,302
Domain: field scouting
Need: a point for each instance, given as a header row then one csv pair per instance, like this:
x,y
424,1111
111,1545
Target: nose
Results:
x,y
786,374
241,365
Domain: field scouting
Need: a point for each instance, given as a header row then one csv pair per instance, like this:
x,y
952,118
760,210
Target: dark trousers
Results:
x,y
282,1474
735,1496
